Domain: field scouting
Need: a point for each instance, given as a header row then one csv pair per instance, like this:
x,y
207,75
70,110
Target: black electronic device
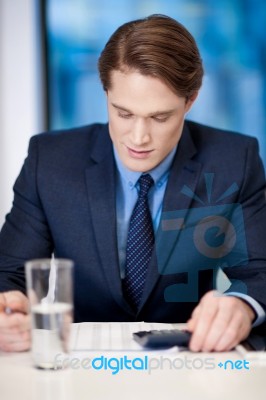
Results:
x,y
164,338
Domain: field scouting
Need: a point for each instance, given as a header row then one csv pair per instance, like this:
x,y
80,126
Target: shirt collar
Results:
x,y
159,173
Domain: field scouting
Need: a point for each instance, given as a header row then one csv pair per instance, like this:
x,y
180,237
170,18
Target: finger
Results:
x,y
16,346
2,302
16,301
237,330
220,324
205,317
16,321
196,312
190,325
13,337
15,341
242,316
192,322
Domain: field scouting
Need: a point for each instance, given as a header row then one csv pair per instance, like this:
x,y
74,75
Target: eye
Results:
x,y
124,115
160,118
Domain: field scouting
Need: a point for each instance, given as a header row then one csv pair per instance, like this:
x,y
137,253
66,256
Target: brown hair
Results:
x,y
157,46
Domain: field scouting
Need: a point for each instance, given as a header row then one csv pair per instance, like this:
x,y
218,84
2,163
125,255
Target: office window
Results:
x,y
230,35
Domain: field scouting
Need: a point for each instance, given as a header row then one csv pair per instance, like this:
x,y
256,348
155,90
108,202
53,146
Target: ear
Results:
x,y
190,101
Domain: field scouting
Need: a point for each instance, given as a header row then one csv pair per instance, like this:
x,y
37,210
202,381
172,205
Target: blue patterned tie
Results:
x,y
140,243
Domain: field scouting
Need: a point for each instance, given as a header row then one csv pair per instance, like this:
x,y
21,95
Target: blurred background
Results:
x,y
48,67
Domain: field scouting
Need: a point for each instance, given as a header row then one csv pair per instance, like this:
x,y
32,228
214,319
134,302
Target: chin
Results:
x,y
138,167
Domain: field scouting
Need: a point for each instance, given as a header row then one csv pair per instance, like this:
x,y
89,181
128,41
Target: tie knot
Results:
x,y
145,183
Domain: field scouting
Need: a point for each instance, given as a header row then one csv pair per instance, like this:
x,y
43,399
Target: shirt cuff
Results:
x,y
254,304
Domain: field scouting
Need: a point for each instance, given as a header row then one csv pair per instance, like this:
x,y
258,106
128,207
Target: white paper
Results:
x,y
110,336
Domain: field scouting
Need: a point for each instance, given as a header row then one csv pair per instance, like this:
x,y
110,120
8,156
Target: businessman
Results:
x,y
150,207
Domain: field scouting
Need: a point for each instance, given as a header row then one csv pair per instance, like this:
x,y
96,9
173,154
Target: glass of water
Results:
x,y
49,289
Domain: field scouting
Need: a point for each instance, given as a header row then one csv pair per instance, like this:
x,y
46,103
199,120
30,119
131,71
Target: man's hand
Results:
x,y
219,322
14,327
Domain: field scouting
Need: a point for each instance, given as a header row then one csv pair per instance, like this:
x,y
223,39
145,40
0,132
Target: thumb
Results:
x,y
2,302
16,301
191,323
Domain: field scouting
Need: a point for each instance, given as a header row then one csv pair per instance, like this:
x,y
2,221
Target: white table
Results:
x,y
19,380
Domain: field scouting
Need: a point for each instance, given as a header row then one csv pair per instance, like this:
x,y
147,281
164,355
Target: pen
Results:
x,y
9,311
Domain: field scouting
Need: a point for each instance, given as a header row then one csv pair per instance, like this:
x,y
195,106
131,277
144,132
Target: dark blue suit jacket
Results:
x,y
65,202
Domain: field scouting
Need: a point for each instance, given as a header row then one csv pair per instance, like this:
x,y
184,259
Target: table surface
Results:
x,y
182,375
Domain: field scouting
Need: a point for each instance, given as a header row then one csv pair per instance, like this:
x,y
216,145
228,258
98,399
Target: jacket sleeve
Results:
x,y
25,234
252,200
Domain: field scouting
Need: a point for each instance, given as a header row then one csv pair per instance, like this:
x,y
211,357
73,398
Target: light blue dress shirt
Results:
x,y
127,189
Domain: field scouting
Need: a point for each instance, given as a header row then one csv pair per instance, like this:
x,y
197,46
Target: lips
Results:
x,y
140,154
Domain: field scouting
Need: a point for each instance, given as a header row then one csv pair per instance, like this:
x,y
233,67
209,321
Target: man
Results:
x,y
121,199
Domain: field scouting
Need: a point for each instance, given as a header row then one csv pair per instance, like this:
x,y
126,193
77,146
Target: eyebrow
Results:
x,y
165,112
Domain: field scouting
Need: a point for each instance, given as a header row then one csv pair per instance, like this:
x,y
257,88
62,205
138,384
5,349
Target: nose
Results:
x,y
140,132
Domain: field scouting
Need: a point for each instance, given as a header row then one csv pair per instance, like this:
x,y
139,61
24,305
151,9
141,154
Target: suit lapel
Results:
x,y
184,171
101,188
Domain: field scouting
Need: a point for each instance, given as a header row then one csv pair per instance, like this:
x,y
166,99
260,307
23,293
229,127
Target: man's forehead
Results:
x,y
137,93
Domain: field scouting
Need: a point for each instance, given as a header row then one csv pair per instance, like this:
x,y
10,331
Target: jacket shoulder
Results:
x,y
72,147
76,135
206,135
